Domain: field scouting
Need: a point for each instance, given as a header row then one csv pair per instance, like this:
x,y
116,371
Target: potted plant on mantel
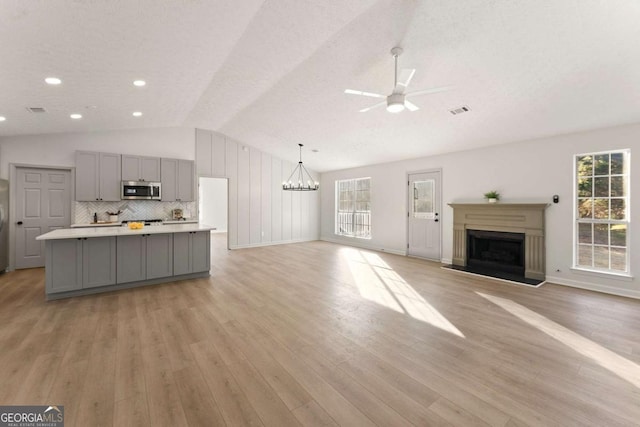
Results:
x,y
492,196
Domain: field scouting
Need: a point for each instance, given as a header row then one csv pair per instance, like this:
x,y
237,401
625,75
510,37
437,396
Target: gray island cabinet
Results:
x,y
92,260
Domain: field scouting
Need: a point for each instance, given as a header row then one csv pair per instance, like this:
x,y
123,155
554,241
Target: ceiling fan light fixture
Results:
x,y
395,103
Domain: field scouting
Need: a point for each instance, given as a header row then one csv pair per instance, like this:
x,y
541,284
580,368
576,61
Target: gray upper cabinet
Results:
x,y
98,176
178,180
210,153
191,252
186,181
140,168
169,175
144,257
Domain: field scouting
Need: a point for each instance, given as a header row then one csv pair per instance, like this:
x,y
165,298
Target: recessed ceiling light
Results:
x,y
75,116
139,83
2,118
137,114
53,81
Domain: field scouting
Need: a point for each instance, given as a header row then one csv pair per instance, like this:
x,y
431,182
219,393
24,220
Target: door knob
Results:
x,y
19,222
436,220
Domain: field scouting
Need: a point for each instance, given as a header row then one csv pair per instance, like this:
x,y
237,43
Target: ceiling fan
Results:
x,y
397,101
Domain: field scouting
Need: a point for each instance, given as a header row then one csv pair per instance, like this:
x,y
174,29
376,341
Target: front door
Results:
x,y
424,215
43,203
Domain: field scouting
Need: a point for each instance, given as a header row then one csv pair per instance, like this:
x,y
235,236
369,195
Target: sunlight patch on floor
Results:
x,y
378,282
604,357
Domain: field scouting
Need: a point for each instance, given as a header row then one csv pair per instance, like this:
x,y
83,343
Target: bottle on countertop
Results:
x,y
95,217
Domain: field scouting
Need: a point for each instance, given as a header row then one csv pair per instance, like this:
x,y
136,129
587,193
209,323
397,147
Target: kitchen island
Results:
x,y
83,261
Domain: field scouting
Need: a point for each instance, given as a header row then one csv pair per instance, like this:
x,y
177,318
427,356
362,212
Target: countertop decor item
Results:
x,y
305,181
492,196
113,216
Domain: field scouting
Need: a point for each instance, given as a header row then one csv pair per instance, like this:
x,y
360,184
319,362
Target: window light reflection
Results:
x,y
378,282
604,357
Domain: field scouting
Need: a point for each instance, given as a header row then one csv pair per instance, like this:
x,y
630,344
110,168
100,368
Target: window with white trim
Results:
x,y
602,211
353,208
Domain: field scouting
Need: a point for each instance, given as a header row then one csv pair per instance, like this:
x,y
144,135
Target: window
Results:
x,y
602,211
353,208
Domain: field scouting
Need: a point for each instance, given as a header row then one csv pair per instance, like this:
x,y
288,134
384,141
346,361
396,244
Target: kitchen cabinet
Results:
x,y
98,176
178,180
191,252
144,257
140,168
80,263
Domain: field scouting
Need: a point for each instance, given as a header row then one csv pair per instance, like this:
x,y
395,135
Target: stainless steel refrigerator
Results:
x,y
4,224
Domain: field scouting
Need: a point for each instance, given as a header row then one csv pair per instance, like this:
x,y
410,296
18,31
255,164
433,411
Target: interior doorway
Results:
x,y
42,204
213,203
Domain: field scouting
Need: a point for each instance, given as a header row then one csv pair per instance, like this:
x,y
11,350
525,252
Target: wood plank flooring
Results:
x,y
322,334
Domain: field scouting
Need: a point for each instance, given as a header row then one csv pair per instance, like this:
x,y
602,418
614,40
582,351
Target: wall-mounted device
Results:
x,y
556,198
141,190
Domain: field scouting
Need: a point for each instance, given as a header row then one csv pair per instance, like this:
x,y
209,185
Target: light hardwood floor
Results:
x,y
322,334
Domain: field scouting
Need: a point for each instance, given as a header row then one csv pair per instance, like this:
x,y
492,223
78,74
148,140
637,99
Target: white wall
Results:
x,y
535,169
213,202
58,149
260,213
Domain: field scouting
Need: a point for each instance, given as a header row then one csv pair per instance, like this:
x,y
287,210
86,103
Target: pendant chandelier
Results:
x,y
300,179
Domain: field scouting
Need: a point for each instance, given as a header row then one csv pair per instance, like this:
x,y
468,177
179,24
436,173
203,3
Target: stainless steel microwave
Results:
x,y
141,190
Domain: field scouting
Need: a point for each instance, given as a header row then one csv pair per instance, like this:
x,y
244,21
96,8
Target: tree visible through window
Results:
x,y
353,207
602,216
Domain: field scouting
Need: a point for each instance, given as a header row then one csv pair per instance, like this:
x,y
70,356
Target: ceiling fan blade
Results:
x,y
380,104
359,92
410,106
404,79
429,91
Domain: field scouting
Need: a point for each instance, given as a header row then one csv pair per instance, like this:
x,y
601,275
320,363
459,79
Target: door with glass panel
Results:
x,y
425,228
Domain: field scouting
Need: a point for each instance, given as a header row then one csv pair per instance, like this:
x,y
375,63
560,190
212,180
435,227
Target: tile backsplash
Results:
x,y
131,209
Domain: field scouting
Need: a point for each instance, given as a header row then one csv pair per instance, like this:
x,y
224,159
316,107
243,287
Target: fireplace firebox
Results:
x,y
496,251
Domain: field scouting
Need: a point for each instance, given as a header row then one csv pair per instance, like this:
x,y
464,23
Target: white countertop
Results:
x,y
75,233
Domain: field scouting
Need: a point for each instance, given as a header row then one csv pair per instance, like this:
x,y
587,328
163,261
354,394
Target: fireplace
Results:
x,y
503,238
495,251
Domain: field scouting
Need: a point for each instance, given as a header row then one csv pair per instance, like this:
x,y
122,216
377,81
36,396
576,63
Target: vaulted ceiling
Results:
x,y
272,73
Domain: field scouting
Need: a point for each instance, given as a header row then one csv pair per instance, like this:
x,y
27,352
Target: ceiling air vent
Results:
x,y
460,110
36,109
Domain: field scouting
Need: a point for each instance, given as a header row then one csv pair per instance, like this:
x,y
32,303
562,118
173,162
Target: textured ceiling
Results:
x,y
272,73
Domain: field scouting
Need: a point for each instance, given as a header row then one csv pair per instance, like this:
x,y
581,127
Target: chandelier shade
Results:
x,y
300,179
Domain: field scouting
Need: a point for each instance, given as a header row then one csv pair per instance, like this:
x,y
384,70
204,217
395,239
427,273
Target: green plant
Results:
x,y
493,194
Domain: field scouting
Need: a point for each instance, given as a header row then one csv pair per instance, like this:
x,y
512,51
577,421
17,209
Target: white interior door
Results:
x,y
425,228
43,203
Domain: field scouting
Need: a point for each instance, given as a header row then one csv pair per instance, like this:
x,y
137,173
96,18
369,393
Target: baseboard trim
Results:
x,y
629,293
362,245
259,245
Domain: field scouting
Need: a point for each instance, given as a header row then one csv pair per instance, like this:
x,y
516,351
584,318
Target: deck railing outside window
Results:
x,y
353,208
